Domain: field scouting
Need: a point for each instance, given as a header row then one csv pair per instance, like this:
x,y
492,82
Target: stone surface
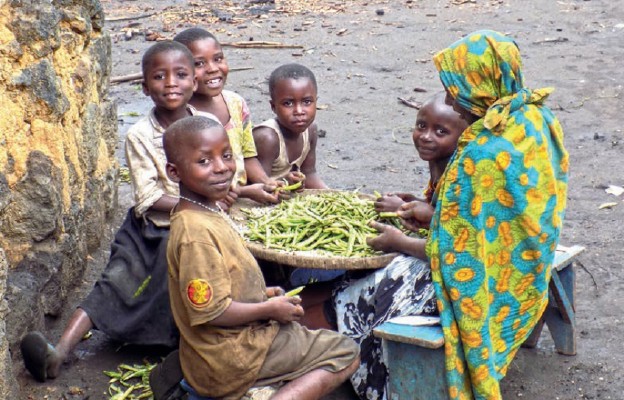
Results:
x,y
58,172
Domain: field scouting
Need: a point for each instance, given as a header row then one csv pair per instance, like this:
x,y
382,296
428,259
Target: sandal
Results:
x,y
36,351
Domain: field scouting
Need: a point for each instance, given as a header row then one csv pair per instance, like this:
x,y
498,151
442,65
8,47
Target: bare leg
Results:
x,y
314,318
312,301
315,384
76,328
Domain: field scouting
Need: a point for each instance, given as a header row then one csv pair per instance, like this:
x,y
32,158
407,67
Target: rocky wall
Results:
x,y
58,173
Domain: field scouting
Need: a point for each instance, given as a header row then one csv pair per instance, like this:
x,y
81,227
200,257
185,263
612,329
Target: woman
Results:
x,y
499,212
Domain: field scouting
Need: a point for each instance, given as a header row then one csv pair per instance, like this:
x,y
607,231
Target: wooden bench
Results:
x,y
415,354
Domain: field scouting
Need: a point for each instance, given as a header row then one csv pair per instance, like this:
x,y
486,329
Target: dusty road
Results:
x,y
366,54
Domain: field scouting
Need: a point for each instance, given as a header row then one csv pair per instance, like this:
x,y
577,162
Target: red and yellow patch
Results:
x,y
199,292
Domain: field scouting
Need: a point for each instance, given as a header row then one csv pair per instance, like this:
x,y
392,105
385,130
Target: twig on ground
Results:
x,y
397,140
551,40
138,76
129,17
261,45
588,272
409,103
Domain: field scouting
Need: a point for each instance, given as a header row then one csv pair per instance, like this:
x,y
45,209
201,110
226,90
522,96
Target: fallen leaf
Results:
x,y
615,190
607,205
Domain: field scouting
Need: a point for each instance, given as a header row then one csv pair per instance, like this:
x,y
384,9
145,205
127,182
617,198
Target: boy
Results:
x,y
231,335
287,143
231,110
115,305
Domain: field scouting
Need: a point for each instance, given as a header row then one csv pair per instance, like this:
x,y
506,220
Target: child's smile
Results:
x,y
210,66
169,80
205,165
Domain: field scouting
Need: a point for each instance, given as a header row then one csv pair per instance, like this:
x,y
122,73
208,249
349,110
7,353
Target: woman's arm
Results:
x,y
391,239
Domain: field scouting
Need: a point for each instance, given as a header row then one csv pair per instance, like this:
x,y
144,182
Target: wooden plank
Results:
x,y
430,337
565,255
561,298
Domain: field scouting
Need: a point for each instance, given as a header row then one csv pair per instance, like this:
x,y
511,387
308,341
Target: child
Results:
x,y
287,142
232,336
435,137
287,147
116,305
404,287
231,110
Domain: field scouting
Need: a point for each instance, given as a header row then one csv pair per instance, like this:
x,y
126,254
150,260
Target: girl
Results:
x,y
211,69
403,287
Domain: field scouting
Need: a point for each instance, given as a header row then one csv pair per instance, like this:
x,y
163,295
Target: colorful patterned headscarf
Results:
x,y
499,213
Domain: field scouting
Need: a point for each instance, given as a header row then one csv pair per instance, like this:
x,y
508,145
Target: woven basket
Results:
x,y
307,259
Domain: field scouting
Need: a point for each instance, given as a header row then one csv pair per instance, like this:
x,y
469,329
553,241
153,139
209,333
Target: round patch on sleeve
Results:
x,y
199,292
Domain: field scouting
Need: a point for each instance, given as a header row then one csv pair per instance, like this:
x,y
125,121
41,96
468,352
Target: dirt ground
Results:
x,y
366,55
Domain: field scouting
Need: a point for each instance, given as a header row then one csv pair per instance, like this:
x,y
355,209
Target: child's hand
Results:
x,y
296,176
229,199
416,214
261,193
389,202
388,238
274,291
286,309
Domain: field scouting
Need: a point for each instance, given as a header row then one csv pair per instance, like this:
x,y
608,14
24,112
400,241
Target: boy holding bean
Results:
x,y
286,144
234,333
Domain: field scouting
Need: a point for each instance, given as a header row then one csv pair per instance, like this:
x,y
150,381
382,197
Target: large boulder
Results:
x,y
58,172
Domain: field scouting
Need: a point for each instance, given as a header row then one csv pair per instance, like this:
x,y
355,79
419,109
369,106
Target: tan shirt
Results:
x,y
209,267
146,160
282,165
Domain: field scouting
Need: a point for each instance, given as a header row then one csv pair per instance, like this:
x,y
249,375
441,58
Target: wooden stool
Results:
x,y
560,313
415,354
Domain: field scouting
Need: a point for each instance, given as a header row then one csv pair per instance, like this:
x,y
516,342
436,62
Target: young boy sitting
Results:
x,y
287,143
232,336
116,305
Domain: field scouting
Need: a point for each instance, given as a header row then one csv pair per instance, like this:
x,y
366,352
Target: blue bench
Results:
x,y
415,354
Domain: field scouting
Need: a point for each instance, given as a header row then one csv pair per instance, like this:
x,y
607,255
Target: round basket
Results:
x,y
307,259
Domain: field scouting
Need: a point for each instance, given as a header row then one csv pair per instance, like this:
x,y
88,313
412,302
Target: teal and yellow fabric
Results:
x,y
499,213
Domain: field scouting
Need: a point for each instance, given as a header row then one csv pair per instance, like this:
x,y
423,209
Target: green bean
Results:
x,y
334,223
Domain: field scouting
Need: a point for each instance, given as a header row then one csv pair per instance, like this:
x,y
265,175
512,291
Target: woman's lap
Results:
x,y
402,288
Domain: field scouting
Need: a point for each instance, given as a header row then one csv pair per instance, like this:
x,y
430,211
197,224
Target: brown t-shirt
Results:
x,y
209,267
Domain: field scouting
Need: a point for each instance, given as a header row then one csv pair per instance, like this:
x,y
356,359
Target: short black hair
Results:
x,y
164,47
178,132
192,35
290,71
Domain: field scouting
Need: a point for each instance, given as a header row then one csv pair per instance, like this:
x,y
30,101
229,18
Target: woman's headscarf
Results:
x,y
499,214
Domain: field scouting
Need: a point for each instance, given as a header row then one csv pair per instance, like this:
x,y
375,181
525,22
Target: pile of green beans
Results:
x,y
130,382
332,222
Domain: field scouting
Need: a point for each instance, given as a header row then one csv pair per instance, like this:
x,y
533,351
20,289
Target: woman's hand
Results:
x,y
389,202
286,309
388,239
416,215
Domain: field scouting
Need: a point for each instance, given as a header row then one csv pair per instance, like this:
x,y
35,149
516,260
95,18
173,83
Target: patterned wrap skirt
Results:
x,y
402,288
